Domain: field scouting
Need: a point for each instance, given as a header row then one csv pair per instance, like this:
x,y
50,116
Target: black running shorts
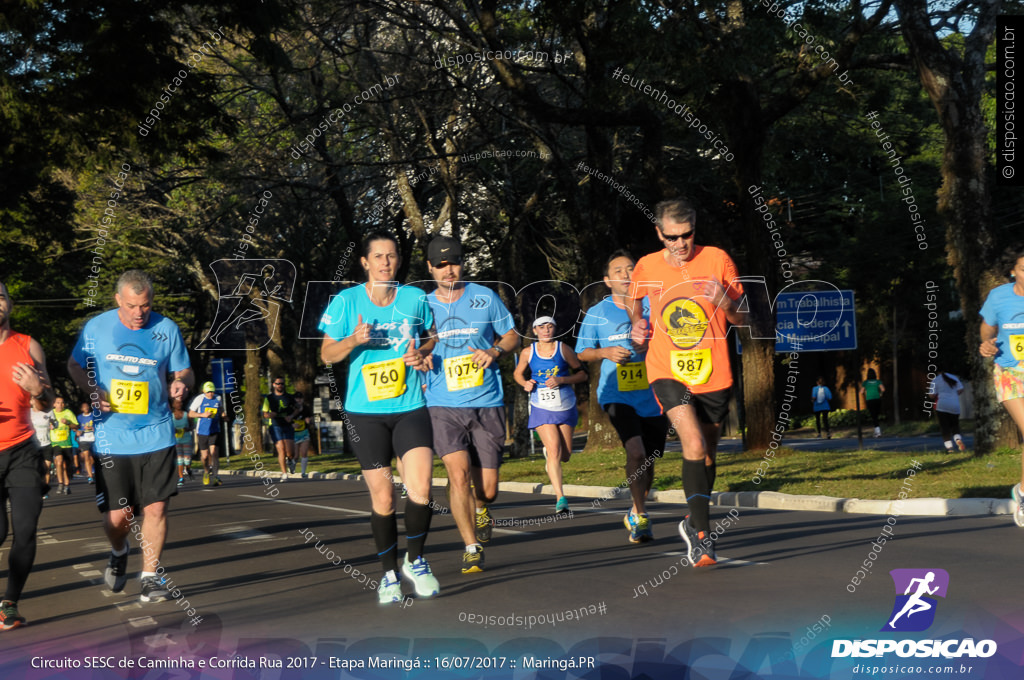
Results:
x,y
22,467
377,438
628,424
712,407
136,480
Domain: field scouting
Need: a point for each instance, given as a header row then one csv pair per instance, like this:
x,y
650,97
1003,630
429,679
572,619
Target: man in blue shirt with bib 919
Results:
x,y
121,360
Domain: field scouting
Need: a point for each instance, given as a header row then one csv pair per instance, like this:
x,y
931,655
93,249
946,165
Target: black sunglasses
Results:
x,y
676,237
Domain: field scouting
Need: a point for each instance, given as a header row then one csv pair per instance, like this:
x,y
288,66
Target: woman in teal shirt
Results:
x,y
380,327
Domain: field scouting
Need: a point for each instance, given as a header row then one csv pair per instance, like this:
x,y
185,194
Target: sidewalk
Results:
x,y
764,500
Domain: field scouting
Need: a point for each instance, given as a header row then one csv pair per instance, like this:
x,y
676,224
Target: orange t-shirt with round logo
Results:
x,y
688,343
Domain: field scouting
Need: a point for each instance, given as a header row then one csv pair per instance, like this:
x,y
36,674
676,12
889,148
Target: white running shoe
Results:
x,y
422,578
389,590
1018,510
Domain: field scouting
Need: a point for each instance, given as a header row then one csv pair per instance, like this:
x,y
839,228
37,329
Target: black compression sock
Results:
x,y
385,535
698,494
417,526
711,471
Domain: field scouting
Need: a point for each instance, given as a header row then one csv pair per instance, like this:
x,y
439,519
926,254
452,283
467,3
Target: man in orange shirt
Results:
x,y
693,292
23,381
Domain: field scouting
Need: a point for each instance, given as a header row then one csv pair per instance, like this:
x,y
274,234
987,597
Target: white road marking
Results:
x,y
141,622
242,533
361,513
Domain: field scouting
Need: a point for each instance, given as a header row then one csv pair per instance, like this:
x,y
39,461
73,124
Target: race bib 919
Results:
x,y
129,396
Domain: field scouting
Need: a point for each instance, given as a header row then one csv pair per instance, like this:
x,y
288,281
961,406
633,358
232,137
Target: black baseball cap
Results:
x,y
444,250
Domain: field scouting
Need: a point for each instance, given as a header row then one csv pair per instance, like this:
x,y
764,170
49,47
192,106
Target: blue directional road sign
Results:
x,y
815,321
223,374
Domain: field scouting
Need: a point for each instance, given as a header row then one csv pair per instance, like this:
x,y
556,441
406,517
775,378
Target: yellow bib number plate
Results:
x,y
461,373
1017,347
632,376
129,396
692,366
384,379
60,434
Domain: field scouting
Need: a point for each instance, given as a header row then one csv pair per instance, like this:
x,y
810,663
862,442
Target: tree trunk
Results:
x,y
253,399
747,133
955,84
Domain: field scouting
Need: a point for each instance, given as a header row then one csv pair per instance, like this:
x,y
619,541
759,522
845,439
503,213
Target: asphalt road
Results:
x,y
251,568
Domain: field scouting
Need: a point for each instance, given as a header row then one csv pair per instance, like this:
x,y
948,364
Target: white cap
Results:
x,y
543,320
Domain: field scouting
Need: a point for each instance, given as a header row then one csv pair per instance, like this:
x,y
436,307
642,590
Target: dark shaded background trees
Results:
x,y
487,151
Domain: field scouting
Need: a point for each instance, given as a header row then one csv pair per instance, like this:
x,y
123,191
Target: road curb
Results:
x,y
764,500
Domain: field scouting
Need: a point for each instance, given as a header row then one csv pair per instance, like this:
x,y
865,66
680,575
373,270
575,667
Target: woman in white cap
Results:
x,y
547,370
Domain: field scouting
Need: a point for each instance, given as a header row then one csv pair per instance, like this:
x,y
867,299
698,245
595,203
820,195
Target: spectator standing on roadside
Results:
x,y
947,389
820,397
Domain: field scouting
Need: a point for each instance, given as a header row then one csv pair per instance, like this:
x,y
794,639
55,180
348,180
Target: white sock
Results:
x,y
474,547
147,574
948,445
305,462
390,575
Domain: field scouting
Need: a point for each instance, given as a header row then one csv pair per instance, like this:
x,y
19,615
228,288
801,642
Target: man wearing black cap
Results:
x,y
464,393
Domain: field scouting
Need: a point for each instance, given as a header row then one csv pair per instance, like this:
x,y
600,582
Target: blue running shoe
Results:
x,y
639,528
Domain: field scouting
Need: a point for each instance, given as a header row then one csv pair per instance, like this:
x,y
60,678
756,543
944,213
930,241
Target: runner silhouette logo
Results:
x,y
916,590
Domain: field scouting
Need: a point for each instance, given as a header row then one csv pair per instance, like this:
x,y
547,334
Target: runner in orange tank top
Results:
x,y
693,292
23,380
